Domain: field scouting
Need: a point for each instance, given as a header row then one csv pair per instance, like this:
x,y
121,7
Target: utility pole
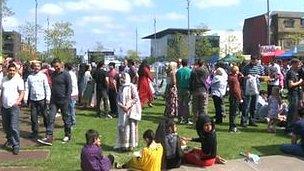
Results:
x,y
155,44
48,43
1,15
268,22
188,10
36,26
136,46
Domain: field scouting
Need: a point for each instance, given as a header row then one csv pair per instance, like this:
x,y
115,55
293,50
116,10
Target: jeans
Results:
x,y
102,100
249,107
65,117
10,122
219,108
38,108
293,99
293,149
72,111
232,111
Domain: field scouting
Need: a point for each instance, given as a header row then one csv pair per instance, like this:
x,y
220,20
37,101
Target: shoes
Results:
x,y
233,130
66,139
16,150
109,116
47,140
189,122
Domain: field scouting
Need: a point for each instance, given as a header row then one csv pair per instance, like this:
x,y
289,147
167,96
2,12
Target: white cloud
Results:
x,y
144,3
95,19
215,3
98,5
10,23
173,16
98,31
51,9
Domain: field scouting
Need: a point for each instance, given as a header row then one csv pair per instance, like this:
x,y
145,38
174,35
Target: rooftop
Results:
x,y
173,31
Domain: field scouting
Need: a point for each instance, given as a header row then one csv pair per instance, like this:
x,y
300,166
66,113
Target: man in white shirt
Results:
x,y
38,91
12,87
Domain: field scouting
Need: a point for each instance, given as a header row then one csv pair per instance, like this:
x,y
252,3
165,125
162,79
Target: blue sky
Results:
x,y
113,22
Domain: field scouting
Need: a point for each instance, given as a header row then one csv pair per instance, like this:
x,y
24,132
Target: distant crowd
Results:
x,y
123,91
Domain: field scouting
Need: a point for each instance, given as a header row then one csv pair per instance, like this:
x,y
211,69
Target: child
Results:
x,y
274,103
91,154
172,147
235,97
262,105
150,157
206,156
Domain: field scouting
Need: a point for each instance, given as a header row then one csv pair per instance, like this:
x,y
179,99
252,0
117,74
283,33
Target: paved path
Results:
x,y
269,163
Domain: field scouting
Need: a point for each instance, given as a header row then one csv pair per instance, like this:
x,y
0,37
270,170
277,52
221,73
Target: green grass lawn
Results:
x,y
67,156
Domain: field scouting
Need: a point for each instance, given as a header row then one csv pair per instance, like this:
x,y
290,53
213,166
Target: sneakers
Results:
x,y
47,140
66,139
233,130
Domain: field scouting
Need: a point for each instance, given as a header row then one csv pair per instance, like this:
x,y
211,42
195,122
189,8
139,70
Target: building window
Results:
x,y
289,23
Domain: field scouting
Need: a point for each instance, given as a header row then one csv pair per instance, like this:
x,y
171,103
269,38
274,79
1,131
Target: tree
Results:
x,y
296,38
204,49
131,54
27,31
177,47
5,11
59,39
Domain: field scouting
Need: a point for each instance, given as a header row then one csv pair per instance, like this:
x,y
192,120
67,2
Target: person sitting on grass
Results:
x,y
296,148
207,155
91,154
150,157
172,147
166,134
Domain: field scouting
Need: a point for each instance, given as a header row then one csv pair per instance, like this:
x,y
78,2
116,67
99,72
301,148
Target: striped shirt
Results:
x,y
253,70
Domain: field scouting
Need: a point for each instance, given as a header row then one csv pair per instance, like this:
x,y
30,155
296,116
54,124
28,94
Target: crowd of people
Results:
x,y
123,92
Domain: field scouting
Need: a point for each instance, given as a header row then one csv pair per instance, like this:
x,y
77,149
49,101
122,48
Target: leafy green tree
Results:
x,y
296,38
59,39
204,49
131,54
177,47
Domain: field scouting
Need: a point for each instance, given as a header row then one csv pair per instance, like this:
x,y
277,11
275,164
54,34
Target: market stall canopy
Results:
x,y
287,55
213,59
231,58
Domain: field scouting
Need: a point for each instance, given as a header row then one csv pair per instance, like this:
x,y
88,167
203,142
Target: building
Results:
x,y
106,56
287,28
231,41
160,41
11,44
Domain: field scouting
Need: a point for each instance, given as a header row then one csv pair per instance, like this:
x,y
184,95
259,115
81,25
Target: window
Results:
x,y
289,23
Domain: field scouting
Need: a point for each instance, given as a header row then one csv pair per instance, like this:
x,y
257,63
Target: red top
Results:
x,y
234,86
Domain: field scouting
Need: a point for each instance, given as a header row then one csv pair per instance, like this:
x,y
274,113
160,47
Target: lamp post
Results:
x,y
268,23
188,10
36,27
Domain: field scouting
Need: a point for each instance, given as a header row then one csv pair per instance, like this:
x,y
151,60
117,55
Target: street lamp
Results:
x,y
188,10
268,22
36,29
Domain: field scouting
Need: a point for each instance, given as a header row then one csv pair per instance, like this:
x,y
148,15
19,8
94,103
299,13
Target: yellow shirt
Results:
x,y
150,159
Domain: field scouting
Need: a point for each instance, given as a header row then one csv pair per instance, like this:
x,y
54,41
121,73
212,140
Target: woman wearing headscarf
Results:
x,y
205,156
171,91
144,81
129,113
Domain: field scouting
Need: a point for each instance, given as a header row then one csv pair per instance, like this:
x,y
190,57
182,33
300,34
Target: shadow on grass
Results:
x,y
152,118
88,114
268,150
